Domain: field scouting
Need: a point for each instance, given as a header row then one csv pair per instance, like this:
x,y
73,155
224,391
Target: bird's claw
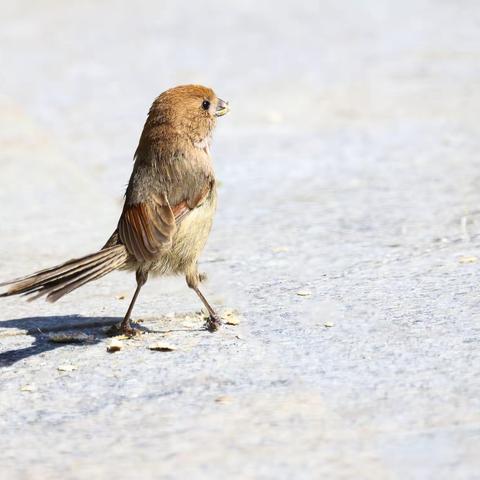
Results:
x,y
213,323
126,330
131,332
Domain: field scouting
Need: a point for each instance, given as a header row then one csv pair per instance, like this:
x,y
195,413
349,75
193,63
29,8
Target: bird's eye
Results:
x,y
206,105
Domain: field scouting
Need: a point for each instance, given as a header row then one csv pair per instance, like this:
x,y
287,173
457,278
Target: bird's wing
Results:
x,y
194,200
148,227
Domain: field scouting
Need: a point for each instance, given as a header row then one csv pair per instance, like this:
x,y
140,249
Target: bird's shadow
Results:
x,y
40,327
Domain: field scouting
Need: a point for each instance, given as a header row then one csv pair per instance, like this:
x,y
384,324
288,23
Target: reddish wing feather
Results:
x,y
183,208
145,229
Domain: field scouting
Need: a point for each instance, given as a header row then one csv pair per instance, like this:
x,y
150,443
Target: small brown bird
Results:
x,y
169,206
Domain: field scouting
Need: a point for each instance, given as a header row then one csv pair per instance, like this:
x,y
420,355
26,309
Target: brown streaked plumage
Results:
x,y
169,205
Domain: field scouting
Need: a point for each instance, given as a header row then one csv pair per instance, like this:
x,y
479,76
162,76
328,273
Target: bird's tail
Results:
x,y
57,281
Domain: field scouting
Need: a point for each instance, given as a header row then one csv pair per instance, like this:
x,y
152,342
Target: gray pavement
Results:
x,y
347,236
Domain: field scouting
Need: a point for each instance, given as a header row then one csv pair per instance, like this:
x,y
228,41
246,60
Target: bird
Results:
x,y
168,210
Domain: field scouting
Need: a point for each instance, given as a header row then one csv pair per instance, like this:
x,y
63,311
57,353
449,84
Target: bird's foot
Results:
x,y
213,323
121,329
131,331
202,277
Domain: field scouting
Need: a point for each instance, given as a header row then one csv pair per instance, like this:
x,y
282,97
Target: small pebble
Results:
x,y
114,346
28,388
224,399
162,347
66,337
304,293
231,318
66,368
468,259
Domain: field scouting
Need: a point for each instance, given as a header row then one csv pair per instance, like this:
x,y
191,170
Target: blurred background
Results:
x,y
346,235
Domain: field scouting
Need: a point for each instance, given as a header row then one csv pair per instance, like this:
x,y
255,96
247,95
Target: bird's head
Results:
x,y
191,110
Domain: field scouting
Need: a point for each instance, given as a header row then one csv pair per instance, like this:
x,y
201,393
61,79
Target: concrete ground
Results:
x,y
347,236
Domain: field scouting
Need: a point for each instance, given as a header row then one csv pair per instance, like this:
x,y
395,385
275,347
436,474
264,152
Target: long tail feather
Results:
x,y
57,281
64,267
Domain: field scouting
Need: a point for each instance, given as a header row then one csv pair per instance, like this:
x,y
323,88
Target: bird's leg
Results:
x,y
125,327
214,322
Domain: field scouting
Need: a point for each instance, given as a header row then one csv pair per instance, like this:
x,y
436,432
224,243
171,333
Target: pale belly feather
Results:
x,y
189,240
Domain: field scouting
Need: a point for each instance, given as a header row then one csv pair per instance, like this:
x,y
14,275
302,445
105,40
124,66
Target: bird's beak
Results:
x,y
222,108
